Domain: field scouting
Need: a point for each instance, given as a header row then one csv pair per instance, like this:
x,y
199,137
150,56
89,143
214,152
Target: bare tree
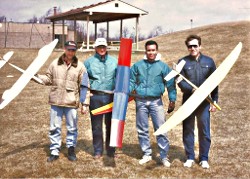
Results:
x,y
43,19
155,32
125,32
34,19
2,18
102,32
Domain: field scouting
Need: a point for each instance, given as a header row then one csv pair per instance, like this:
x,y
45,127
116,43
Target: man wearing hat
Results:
x,y
67,78
101,69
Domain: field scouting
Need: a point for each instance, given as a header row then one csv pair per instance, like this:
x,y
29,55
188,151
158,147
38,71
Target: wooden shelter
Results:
x,y
111,10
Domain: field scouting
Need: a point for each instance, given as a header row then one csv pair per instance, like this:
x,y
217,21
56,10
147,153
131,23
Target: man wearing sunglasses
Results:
x,y
197,69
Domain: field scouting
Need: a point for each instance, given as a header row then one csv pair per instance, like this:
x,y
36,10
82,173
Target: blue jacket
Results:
x,y
197,71
147,79
101,73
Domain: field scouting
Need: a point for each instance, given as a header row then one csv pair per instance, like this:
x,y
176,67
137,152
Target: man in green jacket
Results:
x,y
147,81
101,70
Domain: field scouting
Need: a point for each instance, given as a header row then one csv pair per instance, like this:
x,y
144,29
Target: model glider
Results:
x,y
6,58
202,92
24,79
176,71
121,93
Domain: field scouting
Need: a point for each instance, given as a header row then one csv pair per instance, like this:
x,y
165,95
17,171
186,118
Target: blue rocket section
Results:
x,y
120,107
123,72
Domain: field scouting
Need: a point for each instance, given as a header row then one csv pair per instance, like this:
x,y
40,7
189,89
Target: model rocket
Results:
x,y
121,93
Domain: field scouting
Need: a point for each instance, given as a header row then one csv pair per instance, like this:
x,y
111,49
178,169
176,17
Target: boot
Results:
x,y
71,153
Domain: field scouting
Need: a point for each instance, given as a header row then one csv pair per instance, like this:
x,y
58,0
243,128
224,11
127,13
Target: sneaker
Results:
x,y
71,153
97,156
165,162
52,158
204,164
145,159
189,163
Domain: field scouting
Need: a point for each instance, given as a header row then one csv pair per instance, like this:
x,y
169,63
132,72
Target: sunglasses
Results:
x,y
190,46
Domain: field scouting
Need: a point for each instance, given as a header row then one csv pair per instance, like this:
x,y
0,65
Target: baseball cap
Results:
x,y
70,45
100,41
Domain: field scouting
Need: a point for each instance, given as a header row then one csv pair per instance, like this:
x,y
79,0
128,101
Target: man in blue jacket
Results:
x,y
101,70
147,81
197,69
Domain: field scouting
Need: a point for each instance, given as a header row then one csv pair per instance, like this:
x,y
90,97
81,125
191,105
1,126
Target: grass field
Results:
x,y
24,123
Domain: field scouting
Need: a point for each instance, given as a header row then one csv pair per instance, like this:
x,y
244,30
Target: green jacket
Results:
x,y
101,73
147,79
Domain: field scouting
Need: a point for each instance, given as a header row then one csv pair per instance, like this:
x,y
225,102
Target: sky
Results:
x,y
171,15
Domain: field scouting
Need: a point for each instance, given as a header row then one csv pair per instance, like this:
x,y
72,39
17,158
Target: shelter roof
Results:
x,y
109,10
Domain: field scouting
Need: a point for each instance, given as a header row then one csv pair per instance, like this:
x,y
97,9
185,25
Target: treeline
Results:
x,y
101,32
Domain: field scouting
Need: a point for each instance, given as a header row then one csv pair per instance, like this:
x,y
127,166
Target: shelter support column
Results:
x,y
95,30
53,30
121,24
136,33
87,32
75,32
107,31
63,33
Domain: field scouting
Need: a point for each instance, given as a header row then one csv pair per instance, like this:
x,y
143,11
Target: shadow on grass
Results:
x,y
85,145
134,151
26,147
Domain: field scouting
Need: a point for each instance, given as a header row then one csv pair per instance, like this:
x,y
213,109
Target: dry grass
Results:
x,y
25,121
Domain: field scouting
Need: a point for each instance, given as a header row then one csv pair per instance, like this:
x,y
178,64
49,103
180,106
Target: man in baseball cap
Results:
x,y
100,42
70,45
101,68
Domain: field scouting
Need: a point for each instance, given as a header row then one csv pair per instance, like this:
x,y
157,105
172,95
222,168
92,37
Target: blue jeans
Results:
x,y
202,114
144,109
56,115
96,101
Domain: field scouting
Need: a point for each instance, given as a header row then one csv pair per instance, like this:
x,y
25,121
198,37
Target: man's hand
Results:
x,y
84,109
171,106
212,108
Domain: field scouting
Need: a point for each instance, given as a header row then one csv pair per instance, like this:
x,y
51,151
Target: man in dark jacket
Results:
x,y
197,69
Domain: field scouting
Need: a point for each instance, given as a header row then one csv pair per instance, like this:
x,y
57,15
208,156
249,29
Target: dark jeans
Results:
x,y
96,101
202,114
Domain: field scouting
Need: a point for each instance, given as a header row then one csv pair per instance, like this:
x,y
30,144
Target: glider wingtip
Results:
x,y
11,53
156,133
239,45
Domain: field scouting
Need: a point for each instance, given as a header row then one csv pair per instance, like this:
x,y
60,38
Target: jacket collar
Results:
x,y
193,58
157,58
100,58
74,60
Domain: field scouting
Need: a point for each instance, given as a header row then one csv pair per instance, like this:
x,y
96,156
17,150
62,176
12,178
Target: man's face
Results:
x,y
101,50
194,48
70,53
151,52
